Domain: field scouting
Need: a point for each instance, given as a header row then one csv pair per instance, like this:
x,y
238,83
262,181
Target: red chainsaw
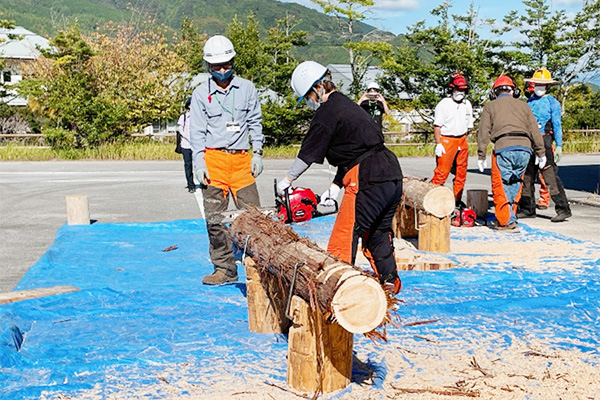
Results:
x,y
299,204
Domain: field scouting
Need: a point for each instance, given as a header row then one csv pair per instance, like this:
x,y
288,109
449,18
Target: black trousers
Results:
x,y
550,175
375,209
189,170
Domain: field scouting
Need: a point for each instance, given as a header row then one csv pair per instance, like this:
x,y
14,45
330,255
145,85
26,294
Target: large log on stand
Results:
x,y
336,289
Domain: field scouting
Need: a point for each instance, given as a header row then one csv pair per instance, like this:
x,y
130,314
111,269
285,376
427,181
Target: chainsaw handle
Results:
x,y
322,214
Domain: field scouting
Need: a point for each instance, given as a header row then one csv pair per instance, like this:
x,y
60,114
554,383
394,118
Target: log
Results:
x,y
434,233
477,200
319,351
78,211
19,295
404,224
266,301
424,196
337,289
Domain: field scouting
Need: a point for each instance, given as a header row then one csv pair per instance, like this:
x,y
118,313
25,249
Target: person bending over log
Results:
x,y
351,140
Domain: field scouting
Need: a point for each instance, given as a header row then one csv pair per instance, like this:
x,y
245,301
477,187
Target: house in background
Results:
x,y
18,46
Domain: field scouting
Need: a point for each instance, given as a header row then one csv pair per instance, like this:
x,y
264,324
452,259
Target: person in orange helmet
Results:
x,y
511,126
452,120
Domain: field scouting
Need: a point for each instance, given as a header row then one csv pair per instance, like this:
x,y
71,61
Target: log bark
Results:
x,y
319,351
477,200
404,224
266,301
337,289
424,196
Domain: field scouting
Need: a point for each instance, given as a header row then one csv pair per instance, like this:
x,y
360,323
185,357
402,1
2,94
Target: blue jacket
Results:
x,y
544,109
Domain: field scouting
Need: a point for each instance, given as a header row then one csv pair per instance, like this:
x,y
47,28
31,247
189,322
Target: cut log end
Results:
x,y
360,304
439,201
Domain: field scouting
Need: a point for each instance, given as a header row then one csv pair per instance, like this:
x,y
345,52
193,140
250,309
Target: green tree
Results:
x,y
349,13
105,87
569,47
6,24
191,46
250,60
422,65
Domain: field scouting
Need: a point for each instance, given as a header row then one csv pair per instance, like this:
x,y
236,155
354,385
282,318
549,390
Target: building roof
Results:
x,y
19,43
341,74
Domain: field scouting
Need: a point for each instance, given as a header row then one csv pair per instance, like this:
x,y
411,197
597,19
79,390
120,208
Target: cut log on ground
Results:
x,y
338,290
424,196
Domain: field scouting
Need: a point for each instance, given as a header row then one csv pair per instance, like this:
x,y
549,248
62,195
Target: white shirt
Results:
x,y
454,119
184,129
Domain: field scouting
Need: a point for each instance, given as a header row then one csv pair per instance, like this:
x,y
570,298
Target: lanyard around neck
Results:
x,y
232,104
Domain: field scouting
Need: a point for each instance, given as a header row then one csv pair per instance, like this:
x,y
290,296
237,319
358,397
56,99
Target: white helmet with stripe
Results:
x,y
218,49
305,76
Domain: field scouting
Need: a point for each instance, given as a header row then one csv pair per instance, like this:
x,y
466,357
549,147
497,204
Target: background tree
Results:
x,y
105,87
349,13
190,47
6,24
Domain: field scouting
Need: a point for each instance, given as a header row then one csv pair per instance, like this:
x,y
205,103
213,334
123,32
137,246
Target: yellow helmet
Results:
x,y
543,76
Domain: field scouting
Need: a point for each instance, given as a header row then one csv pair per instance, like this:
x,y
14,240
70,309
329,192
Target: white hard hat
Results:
x,y
305,76
218,49
372,85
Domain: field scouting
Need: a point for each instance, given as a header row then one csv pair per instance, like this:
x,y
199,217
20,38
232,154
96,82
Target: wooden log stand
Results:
x,y
477,200
425,213
78,210
319,351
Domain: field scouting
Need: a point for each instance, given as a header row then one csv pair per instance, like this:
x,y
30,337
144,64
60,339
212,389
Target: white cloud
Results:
x,y
398,5
570,2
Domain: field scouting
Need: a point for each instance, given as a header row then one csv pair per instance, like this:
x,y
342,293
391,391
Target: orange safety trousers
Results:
x,y
230,172
502,205
456,149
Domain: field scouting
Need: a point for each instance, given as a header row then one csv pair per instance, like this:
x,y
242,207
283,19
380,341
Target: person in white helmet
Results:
x,y
373,102
370,173
225,118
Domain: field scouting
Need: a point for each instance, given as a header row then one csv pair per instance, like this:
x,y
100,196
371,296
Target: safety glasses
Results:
x,y
226,66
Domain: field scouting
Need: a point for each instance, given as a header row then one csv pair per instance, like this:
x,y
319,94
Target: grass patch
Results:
x,y
154,150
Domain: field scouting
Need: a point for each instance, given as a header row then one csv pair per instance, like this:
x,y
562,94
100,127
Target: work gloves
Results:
x,y
557,154
330,195
439,150
283,185
481,164
540,162
201,171
257,165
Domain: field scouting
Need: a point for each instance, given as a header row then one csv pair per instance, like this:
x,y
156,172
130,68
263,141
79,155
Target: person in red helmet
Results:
x,y
452,120
370,174
511,126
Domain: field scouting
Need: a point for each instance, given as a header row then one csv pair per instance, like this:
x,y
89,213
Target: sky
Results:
x,y
397,16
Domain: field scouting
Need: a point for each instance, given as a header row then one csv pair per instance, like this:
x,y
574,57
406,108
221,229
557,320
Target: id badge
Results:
x,y
233,126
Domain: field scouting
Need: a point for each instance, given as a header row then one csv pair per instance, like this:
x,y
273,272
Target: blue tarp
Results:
x,y
139,308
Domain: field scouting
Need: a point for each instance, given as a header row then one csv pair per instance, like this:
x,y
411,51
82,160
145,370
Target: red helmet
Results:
x,y
504,82
458,81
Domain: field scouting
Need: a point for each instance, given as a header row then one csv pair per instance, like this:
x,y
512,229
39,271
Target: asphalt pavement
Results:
x,y
32,198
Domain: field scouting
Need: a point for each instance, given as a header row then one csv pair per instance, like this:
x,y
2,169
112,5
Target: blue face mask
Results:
x,y
222,76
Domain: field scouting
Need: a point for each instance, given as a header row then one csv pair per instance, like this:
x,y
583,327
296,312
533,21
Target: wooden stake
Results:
x,y
267,300
317,362
78,211
434,233
477,200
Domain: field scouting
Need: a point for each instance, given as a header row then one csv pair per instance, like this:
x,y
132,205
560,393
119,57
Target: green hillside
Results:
x,y
212,16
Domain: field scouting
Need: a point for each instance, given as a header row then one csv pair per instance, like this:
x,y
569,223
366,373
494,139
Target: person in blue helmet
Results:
x,y
547,112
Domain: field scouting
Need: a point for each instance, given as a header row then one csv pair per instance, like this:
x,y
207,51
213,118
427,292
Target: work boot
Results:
x,y
523,214
218,278
513,227
561,216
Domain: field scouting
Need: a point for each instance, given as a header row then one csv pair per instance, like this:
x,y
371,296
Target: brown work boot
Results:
x,y
513,227
218,278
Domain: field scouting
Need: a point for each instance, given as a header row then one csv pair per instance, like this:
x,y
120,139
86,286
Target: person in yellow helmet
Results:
x,y
547,112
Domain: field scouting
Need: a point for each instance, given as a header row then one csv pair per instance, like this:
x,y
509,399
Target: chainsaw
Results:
x,y
463,217
294,205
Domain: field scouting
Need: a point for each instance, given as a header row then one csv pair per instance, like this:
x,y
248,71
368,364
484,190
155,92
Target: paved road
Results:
x,y
32,198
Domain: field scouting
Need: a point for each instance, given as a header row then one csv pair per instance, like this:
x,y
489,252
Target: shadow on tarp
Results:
x,y
140,308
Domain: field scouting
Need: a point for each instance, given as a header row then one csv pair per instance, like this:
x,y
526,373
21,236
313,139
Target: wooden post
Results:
x,y
319,352
267,300
434,233
404,224
477,200
78,211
